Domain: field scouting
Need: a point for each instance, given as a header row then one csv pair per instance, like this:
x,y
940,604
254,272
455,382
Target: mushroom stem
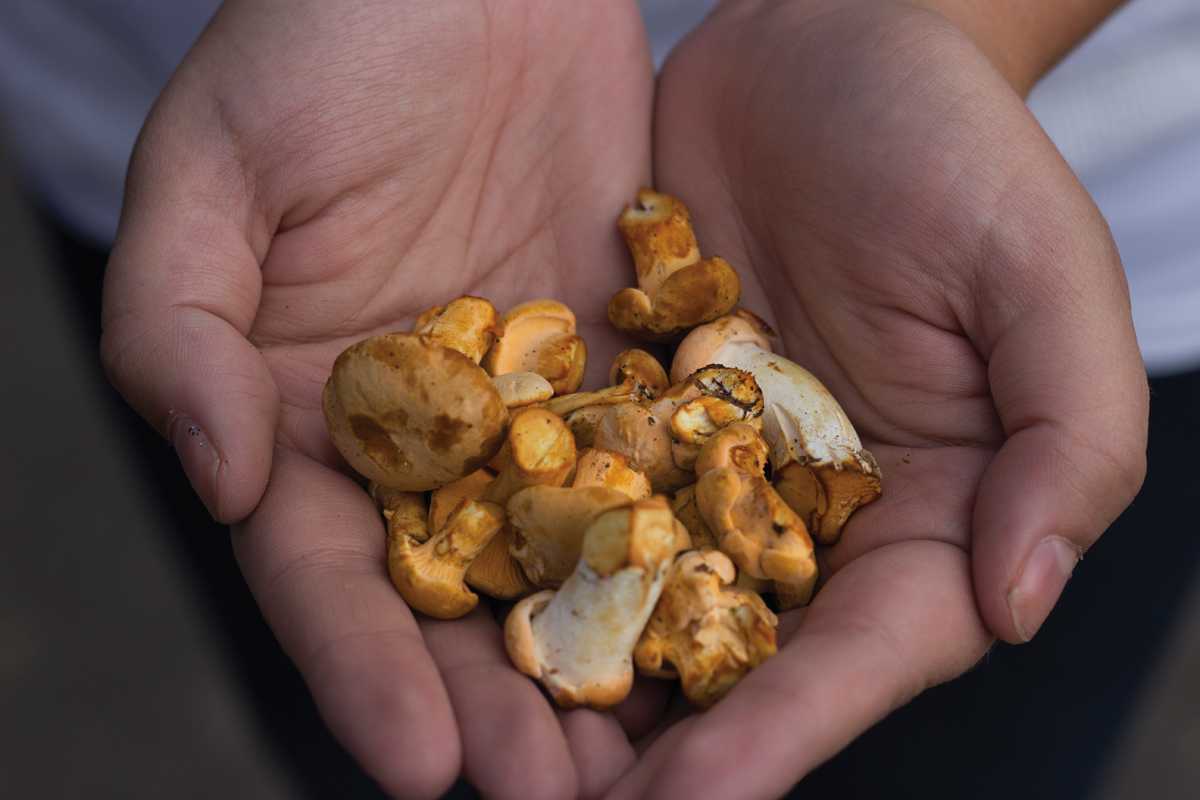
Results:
x,y
403,512
466,324
579,641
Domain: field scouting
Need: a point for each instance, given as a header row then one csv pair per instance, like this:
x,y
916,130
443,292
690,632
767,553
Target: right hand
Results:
x,y
318,172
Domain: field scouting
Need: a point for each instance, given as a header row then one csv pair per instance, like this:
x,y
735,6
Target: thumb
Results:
x,y
180,294
1070,389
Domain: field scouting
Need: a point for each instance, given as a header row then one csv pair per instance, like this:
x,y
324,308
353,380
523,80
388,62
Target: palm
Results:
x,y
861,165
451,155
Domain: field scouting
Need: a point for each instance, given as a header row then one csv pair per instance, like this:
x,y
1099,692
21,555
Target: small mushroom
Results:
x,y
403,512
521,389
602,468
684,507
539,451
548,524
411,414
539,336
635,377
664,439
429,576
467,324
754,527
443,501
579,640
821,468
705,631
677,290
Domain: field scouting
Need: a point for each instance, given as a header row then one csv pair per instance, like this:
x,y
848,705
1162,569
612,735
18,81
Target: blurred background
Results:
x,y
133,663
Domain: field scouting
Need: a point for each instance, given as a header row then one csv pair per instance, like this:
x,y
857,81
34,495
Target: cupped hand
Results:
x,y
903,222
319,172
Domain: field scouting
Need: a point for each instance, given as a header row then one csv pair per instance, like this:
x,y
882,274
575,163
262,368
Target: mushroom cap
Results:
x,y
603,468
755,527
583,423
539,336
444,500
549,523
708,632
691,296
825,496
430,576
637,367
644,439
740,446
700,347
411,414
520,389
466,324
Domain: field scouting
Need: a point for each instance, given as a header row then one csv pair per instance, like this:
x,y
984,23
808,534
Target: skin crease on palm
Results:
x,y
316,174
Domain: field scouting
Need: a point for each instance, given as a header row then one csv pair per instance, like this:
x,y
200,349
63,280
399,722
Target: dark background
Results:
x,y
133,663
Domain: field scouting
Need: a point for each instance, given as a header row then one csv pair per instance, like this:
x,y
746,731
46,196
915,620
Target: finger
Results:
x,y
599,747
646,703
883,629
180,293
513,746
1071,391
313,555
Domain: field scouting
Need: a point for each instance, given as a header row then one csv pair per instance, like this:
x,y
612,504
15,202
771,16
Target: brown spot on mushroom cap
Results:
x,y
410,414
708,632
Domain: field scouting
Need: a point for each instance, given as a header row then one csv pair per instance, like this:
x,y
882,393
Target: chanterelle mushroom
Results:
x,y
411,414
663,440
821,468
677,290
635,377
539,451
754,527
539,336
548,524
705,630
602,468
579,640
466,324
403,512
430,576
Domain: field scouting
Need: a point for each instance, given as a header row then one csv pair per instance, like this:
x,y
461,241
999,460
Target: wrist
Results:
x,y
1024,39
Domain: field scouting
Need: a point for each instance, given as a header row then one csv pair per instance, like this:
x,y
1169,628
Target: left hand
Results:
x,y
921,246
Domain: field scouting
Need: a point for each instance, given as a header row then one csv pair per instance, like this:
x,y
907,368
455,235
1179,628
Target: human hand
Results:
x,y
898,215
318,172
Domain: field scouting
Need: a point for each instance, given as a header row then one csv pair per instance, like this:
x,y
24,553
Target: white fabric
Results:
x,y
78,76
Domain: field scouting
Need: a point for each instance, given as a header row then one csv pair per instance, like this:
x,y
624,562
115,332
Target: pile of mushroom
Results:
x,y
638,527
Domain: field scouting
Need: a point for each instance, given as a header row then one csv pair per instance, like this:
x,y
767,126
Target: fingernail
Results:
x,y
1042,580
200,461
